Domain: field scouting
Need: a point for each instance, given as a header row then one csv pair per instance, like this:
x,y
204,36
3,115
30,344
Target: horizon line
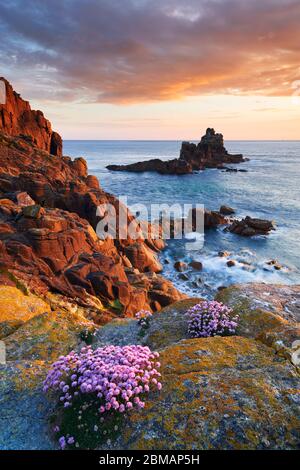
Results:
x,y
179,140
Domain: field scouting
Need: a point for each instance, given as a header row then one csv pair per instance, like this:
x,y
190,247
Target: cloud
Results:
x,y
131,51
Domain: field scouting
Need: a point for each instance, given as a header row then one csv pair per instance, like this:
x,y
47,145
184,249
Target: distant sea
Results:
x,y
270,190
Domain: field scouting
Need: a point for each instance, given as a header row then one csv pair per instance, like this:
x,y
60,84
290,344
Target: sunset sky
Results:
x,y
156,69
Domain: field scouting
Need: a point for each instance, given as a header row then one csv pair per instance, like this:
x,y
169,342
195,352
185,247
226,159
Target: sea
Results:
x,y
270,189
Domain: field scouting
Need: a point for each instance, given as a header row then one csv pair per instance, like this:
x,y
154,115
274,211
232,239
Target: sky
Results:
x,y
156,69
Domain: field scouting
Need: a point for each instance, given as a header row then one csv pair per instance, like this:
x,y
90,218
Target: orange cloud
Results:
x,y
133,51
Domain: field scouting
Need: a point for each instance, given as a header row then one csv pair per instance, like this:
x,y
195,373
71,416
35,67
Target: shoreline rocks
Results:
x,y
226,210
250,227
48,218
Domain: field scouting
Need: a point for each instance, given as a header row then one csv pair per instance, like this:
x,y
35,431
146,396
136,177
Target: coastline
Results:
x,y
65,292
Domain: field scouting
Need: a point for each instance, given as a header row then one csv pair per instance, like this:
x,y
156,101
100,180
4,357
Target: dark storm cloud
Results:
x,y
141,50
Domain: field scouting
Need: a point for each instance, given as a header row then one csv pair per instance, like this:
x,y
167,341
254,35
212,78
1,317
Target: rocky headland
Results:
x,y
208,153
61,287
48,210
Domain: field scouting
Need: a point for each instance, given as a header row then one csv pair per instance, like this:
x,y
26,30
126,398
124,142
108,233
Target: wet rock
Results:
x,y
226,210
235,170
224,254
196,265
230,263
180,266
249,227
183,277
211,219
275,264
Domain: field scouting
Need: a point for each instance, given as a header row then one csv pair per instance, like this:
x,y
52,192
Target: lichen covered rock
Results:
x,y
219,393
47,336
16,308
264,308
165,328
25,411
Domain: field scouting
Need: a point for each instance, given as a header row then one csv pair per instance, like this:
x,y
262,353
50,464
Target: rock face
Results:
x,y
48,217
18,119
17,308
219,393
208,153
249,227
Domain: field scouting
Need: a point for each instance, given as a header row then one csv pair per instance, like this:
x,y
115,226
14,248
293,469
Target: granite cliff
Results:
x,y
18,119
48,217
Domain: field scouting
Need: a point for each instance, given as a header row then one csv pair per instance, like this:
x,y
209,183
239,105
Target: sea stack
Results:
x,y
208,153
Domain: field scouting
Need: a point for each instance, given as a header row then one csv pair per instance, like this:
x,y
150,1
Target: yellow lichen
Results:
x,y
17,308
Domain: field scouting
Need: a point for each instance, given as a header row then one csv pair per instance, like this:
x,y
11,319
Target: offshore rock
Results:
x,y
250,227
208,153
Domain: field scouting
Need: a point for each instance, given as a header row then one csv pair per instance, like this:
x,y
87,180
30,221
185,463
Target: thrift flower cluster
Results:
x,y
144,317
211,318
117,376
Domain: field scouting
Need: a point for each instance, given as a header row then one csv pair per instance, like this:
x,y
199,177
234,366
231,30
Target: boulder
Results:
x,y
224,254
196,265
275,264
249,227
142,257
211,219
270,313
180,266
230,263
226,210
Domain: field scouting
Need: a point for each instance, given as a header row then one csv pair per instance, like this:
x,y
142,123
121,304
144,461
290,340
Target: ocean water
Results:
x,y
270,189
